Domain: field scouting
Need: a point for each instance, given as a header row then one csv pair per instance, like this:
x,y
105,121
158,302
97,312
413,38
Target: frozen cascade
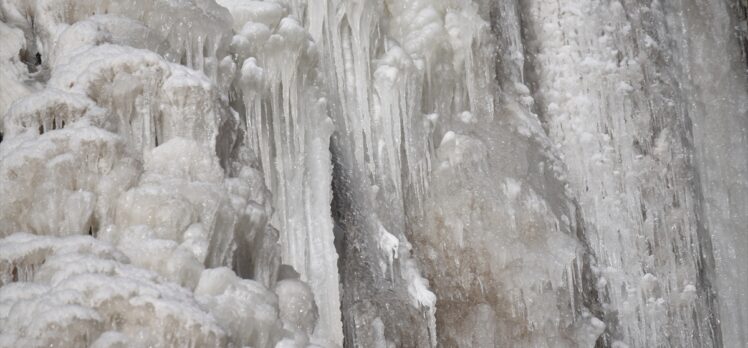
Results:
x,y
373,173
643,164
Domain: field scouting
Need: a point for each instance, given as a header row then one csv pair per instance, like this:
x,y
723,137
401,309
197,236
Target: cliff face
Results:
x,y
397,173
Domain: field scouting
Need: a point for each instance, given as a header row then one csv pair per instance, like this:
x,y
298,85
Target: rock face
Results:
x,y
397,173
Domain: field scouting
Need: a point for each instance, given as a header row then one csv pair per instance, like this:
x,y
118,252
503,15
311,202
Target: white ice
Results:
x,y
377,173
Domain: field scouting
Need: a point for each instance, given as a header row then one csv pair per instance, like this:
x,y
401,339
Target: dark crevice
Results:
x,y
231,138
32,59
529,69
341,198
740,9
367,295
340,208
589,295
93,228
706,267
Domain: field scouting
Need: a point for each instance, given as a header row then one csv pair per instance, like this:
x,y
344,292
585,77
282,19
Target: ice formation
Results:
x,y
373,173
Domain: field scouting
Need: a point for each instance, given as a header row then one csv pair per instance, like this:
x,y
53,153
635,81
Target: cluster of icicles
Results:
x,y
130,216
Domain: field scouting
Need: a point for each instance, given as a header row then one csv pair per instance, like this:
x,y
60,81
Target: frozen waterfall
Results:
x,y
374,173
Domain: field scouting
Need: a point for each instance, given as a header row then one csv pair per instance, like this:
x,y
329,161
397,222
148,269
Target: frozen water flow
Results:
x,y
373,173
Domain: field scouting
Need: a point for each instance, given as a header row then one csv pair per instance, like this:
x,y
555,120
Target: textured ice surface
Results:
x,y
379,173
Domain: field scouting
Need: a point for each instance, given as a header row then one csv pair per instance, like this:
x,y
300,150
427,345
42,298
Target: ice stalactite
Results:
x,y
287,125
374,96
421,60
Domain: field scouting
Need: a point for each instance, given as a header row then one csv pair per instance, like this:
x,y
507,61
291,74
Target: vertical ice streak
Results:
x,y
287,124
714,78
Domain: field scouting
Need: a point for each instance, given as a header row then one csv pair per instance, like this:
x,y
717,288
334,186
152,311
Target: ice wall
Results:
x,y
429,149
383,173
630,160
122,132
627,100
714,60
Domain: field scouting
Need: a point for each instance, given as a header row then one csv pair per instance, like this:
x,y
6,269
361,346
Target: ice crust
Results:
x,y
373,173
